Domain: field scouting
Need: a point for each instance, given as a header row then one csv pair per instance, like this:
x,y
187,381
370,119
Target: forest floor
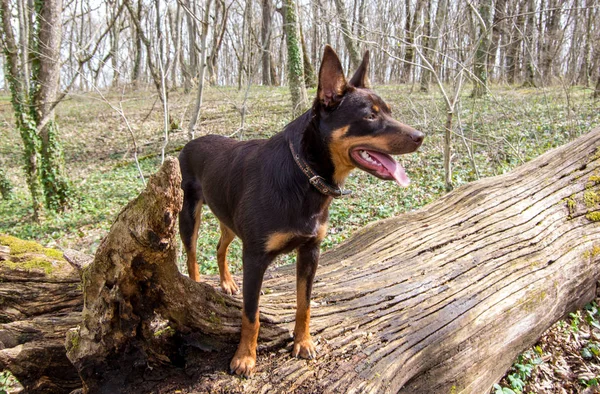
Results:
x,y
493,135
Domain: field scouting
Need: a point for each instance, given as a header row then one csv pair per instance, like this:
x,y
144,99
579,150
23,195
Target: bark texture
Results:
x,y
438,300
40,299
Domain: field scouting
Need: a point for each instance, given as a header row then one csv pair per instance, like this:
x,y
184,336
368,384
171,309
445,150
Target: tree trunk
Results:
x,y
41,299
5,185
431,42
498,27
529,39
201,72
480,70
212,65
137,62
438,300
46,79
295,58
347,35
19,101
265,36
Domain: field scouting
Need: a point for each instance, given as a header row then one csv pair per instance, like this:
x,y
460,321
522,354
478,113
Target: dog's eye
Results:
x,y
371,116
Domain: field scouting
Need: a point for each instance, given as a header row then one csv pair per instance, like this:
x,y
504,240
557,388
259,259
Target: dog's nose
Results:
x,y
417,136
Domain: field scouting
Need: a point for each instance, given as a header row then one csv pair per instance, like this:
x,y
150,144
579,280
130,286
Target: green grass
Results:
x,y
503,130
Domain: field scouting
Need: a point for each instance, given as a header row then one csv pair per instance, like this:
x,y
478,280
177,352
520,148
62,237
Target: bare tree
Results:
x,y
295,58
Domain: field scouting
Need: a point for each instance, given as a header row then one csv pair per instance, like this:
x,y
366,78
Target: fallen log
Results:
x,y
40,299
438,300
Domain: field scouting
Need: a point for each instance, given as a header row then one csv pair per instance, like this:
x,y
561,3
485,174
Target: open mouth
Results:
x,y
380,164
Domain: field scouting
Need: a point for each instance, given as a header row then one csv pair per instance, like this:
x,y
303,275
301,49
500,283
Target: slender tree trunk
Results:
x,y
115,38
310,79
514,48
5,185
176,33
409,54
295,58
529,46
480,70
191,68
498,27
265,36
551,39
212,64
355,58
431,43
137,62
203,38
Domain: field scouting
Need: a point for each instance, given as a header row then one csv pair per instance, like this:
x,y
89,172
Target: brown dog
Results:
x,y
275,194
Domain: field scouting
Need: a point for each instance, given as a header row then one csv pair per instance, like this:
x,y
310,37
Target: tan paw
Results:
x,y
304,348
243,365
229,287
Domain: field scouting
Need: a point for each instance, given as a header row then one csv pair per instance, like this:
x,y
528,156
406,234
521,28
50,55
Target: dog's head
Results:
x,y
358,124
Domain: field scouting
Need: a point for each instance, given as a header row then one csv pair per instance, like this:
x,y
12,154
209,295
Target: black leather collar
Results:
x,y
316,180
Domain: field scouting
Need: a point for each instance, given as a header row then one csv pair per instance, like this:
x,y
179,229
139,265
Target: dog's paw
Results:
x,y
304,348
229,287
243,365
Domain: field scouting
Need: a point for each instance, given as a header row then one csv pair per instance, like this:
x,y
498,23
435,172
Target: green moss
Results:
x,y
593,252
167,331
593,216
18,246
213,318
571,203
591,198
35,264
74,341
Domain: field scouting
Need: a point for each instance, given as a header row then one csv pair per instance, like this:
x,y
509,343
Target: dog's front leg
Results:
x,y
306,267
244,360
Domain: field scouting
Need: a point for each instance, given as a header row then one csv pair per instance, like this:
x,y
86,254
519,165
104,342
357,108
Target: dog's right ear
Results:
x,y
332,83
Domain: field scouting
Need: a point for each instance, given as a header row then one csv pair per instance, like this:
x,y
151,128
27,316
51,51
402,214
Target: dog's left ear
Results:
x,y
332,83
360,79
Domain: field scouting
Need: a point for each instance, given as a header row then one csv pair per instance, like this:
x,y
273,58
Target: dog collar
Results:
x,y
316,180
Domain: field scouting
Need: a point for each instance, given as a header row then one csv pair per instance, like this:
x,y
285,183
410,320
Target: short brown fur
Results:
x,y
262,192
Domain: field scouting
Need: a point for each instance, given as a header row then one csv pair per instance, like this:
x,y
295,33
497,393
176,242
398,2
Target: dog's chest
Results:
x,y
287,240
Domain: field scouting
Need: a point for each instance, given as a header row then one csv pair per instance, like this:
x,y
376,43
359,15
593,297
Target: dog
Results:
x,y
274,194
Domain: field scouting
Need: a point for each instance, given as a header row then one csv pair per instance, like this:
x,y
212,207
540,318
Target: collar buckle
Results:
x,y
317,181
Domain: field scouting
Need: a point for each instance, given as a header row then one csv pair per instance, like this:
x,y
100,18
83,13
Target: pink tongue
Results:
x,y
393,167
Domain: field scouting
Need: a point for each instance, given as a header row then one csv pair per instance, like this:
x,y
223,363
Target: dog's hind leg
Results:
x,y
189,223
227,283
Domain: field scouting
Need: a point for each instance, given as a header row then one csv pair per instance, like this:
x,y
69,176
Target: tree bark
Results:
x,y
41,299
480,69
19,100
438,300
295,58
265,37
46,78
201,71
347,35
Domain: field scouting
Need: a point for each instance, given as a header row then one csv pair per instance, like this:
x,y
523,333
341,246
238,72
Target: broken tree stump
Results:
x,y
437,300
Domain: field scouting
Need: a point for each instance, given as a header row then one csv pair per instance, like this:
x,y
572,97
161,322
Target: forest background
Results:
x,y
95,94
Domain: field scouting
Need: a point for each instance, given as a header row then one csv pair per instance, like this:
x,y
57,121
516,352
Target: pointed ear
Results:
x,y
360,79
332,83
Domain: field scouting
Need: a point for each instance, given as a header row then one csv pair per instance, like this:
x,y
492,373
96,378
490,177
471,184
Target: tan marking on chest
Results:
x,y
278,240
322,231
